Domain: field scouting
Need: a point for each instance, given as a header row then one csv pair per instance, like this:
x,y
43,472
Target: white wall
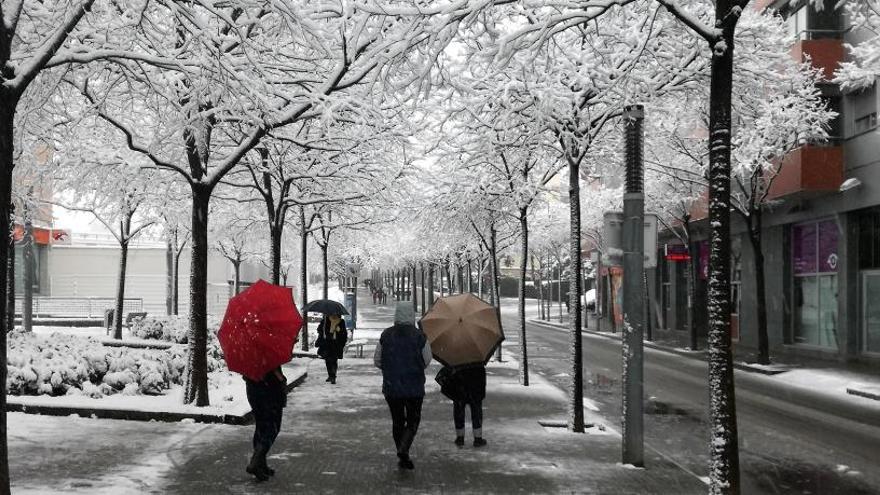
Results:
x,y
93,271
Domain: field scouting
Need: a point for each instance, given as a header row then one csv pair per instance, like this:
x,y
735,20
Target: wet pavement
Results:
x,y
783,448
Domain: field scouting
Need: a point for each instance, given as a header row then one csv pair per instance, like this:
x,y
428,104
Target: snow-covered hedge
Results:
x,y
60,364
168,328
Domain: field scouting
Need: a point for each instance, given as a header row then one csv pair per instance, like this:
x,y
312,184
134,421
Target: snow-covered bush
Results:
x,y
166,328
169,328
71,365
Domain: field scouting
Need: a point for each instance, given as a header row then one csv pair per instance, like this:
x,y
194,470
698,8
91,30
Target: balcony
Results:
x,y
825,53
808,171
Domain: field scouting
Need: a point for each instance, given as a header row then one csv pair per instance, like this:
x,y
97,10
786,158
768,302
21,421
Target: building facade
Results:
x,y
87,266
821,238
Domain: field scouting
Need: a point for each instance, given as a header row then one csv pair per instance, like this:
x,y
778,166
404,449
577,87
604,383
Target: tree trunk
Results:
x,y
412,284
539,284
325,270
480,277
196,383
756,224
27,305
430,285
422,280
7,117
236,283
576,393
175,302
169,278
304,275
470,277
496,289
559,289
119,316
459,281
724,451
275,232
524,354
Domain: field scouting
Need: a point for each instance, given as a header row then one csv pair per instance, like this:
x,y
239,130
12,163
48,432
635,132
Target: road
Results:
x,y
783,448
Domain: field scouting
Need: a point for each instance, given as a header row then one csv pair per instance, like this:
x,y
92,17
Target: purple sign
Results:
x,y
803,247
828,234
704,260
814,247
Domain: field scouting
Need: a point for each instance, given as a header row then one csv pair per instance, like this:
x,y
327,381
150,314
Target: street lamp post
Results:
x,y
633,293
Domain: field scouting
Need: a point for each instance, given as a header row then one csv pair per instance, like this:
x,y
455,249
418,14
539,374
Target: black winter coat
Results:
x,y
403,366
465,383
329,347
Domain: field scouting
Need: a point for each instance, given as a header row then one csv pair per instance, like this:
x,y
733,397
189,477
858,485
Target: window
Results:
x,y
864,110
865,123
814,261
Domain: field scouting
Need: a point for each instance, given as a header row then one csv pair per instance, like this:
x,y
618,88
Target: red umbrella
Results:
x,y
259,329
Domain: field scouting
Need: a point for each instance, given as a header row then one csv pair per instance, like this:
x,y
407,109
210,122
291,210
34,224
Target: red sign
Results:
x,y
677,252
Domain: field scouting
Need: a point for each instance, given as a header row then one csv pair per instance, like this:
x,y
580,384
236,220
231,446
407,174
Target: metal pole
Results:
x,y
27,309
633,292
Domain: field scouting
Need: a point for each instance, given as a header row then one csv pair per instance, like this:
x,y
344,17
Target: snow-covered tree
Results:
x,y
863,68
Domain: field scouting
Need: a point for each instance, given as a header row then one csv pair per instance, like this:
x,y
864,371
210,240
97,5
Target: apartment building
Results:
x,y
821,238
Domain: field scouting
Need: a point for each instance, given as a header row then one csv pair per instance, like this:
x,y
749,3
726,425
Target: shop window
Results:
x,y
814,261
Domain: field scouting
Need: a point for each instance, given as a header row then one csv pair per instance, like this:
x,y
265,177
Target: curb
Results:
x,y
135,415
765,385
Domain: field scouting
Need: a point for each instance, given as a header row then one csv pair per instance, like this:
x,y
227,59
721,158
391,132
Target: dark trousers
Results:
x,y
405,417
267,402
332,365
476,416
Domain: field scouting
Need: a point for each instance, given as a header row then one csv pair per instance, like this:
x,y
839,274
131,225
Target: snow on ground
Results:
x,y
95,456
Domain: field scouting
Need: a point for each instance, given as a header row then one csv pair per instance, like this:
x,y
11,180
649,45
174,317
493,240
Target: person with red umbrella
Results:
x,y
267,397
257,336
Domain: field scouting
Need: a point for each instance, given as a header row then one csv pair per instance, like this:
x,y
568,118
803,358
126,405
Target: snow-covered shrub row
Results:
x,y
171,328
60,364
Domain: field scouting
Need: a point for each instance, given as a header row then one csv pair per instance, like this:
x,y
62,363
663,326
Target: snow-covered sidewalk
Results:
x,y
337,439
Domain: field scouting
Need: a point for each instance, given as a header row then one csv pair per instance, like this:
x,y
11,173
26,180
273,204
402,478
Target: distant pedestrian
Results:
x,y
267,398
332,336
466,386
403,353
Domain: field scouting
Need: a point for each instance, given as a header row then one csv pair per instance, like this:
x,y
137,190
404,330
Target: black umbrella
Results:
x,y
325,306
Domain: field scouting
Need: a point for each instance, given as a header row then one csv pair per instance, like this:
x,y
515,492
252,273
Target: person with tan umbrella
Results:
x,y
463,332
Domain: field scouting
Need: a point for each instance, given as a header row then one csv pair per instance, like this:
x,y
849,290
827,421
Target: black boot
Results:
x,y
257,466
405,462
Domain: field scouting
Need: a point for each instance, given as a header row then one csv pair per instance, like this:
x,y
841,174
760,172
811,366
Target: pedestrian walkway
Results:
x,y
337,439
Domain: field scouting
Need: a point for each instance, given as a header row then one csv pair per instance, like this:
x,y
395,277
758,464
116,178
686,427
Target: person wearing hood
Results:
x,y
402,353
332,336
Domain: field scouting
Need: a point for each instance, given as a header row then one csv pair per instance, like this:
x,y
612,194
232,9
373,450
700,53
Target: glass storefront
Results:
x,y
871,310
869,271
814,267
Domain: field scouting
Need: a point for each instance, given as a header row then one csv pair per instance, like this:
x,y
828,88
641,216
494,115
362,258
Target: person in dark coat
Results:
x,y
403,353
332,336
267,398
466,386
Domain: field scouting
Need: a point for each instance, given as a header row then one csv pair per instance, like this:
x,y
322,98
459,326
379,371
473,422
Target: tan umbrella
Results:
x,y
462,329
